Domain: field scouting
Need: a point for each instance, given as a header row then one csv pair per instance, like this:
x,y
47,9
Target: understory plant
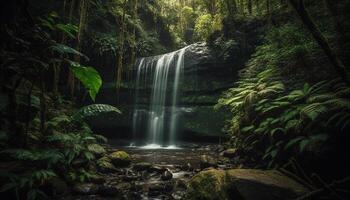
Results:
x,y
40,140
68,151
275,118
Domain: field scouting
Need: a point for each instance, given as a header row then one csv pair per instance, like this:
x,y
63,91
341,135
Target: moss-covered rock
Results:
x,y
247,184
208,185
120,158
104,164
266,184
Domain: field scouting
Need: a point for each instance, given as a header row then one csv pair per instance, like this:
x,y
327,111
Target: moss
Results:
x,y
120,158
104,164
208,185
96,149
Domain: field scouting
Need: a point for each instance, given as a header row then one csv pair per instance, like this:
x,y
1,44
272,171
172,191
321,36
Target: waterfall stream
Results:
x,y
159,115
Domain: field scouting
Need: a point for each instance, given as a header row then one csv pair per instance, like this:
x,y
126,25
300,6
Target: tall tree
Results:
x,y
299,7
133,45
120,58
83,7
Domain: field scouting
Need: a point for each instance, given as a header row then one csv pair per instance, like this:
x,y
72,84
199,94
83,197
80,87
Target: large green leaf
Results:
x,y
89,77
95,110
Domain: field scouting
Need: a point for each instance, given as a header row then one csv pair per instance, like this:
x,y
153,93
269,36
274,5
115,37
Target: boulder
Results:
x,y
85,188
207,161
209,184
120,159
245,184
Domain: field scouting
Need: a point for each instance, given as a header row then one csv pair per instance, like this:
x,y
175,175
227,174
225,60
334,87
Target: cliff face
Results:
x,y
204,79
209,70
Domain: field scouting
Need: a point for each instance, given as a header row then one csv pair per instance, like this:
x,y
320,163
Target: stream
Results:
x,y
156,174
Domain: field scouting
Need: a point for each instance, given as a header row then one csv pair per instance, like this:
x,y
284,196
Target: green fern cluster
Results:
x,y
67,143
269,122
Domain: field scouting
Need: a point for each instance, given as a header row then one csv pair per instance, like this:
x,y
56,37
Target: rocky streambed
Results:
x,y
191,172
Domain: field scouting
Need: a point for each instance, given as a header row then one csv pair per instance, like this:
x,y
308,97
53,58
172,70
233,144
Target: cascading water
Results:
x,y
162,74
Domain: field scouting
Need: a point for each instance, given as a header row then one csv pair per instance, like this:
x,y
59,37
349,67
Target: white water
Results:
x,y
163,74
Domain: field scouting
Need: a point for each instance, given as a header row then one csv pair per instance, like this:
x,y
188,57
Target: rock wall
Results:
x,y
205,78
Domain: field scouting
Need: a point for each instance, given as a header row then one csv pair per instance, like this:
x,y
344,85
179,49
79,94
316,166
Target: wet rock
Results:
x,y
181,184
177,195
105,165
187,167
239,184
85,188
160,188
156,168
142,166
120,159
207,161
229,153
167,175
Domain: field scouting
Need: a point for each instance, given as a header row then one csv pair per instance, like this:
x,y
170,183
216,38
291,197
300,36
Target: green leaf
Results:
x,y
90,78
247,128
69,29
293,142
303,145
95,110
64,49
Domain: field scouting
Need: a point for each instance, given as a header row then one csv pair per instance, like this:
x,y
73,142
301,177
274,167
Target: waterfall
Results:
x,y
159,119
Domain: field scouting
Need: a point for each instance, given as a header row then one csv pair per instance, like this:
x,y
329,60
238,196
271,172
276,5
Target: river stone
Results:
x,y
158,169
159,188
167,175
229,153
247,184
207,161
85,188
141,166
120,159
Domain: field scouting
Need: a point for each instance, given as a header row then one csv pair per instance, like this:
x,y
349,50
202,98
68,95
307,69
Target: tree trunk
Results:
x,y
84,5
299,7
121,49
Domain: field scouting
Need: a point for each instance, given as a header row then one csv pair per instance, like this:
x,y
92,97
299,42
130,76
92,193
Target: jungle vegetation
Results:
x,y
290,102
